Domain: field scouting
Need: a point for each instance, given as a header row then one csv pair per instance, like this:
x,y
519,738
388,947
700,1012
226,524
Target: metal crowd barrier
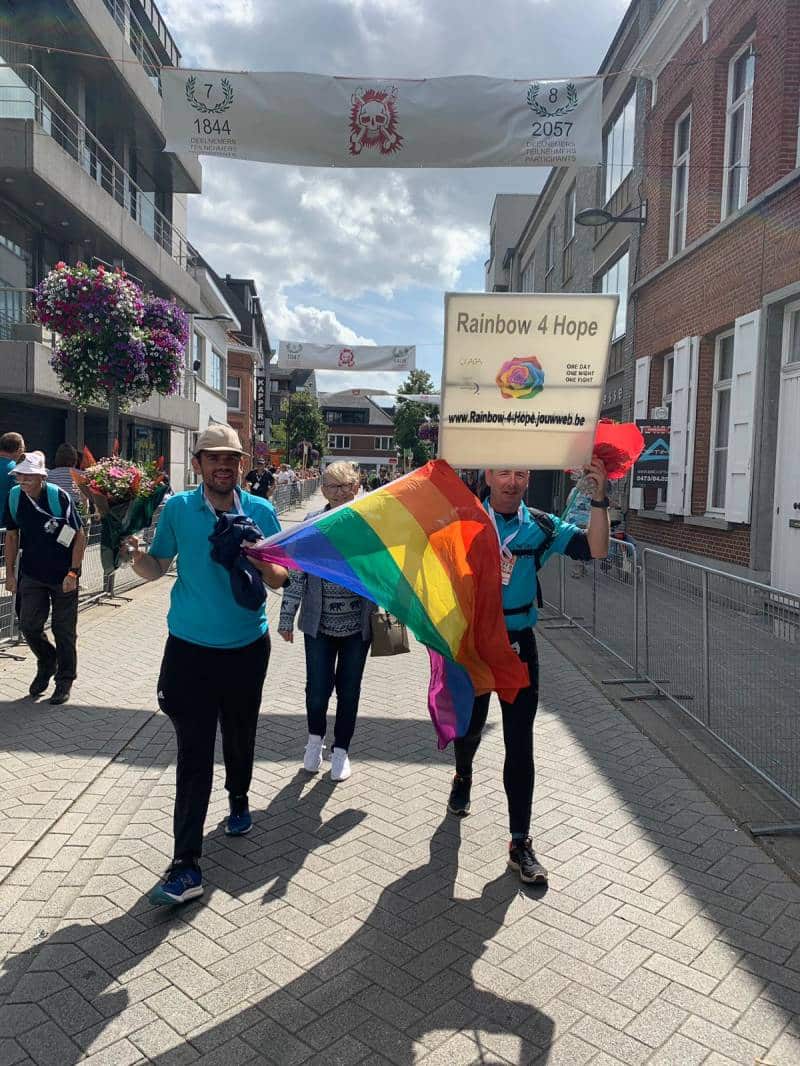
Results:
x,y
94,585
724,649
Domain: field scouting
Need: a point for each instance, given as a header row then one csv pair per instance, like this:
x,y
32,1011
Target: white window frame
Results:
x,y
666,401
615,148
683,414
641,395
606,286
384,444
789,312
216,365
725,385
677,233
199,353
744,103
345,445
233,388
549,255
570,201
527,282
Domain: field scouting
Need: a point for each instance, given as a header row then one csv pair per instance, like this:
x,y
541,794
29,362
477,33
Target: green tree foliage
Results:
x,y
301,421
410,415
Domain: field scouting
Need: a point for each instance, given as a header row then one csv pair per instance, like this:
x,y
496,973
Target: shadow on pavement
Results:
x,y
405,945
95,730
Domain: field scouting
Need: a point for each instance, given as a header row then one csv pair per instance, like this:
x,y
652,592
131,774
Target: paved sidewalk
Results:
x,y
358,922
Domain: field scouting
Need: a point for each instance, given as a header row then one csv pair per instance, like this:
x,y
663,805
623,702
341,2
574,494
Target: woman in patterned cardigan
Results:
x,y
335,624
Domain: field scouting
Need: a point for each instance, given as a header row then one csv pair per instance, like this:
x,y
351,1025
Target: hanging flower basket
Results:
x,y
115,341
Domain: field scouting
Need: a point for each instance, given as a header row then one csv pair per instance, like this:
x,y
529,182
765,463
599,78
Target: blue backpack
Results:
x,y
53,500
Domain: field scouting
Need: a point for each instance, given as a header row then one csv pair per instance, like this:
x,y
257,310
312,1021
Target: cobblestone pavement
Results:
x,y
358,922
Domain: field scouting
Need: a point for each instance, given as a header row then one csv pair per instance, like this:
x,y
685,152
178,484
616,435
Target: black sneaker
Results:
x,y
459,794
522,858
61,692
41,681
239,820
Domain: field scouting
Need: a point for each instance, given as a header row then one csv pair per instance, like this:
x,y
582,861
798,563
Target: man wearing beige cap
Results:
x,y
216,655
40,518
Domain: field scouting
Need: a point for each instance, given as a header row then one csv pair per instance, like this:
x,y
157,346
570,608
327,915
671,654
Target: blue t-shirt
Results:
x,y
7,482
521,589
202,608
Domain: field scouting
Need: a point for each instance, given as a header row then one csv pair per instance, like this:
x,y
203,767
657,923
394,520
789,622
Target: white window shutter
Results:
x,y
681,443
641,389
740,433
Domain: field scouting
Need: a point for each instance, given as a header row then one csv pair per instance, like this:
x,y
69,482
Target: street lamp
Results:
x,y
598,216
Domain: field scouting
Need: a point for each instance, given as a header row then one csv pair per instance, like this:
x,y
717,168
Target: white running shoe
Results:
x,y
312,759
340,765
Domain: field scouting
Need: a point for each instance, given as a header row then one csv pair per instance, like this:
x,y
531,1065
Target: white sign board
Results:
x,y
316,120
296,356
523,377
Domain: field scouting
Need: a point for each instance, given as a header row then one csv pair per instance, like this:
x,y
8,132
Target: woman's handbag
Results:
x,y
389,636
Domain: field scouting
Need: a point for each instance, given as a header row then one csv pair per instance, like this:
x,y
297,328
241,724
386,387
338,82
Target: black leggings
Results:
x,y
518,718
197,688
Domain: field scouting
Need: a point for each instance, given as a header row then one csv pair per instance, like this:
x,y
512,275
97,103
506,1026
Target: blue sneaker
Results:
x,y
239,821
183,882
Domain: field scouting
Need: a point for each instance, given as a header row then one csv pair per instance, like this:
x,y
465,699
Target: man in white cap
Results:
x,y
216,655
41,519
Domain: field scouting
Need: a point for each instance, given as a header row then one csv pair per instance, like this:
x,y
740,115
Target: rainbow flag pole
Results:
x,y
424,549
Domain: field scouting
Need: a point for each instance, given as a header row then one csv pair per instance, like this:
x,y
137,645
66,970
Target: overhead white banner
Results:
x,y
297,356
315,120
523,376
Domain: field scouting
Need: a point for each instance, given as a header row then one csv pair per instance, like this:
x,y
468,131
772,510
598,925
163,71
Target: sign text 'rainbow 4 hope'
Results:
x,y
523,377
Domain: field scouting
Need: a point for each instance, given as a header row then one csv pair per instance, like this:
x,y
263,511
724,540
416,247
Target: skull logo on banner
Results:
x,y
373,121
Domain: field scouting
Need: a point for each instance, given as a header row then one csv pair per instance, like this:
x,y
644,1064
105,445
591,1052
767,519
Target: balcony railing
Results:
x,y
14,311
24,93
137,37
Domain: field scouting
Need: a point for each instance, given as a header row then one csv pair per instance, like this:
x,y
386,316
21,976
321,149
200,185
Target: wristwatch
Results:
x,y
605,503
74,571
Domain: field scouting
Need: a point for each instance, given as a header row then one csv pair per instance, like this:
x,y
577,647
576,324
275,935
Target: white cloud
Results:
x,y
304,323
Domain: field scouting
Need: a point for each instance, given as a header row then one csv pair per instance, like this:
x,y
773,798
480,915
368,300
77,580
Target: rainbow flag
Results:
x,y
424,549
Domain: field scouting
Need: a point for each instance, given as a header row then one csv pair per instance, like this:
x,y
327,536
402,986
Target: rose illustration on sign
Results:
x,y
347,358
520,378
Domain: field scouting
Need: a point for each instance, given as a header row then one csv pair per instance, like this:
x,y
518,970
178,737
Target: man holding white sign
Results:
x,y
527,539
521,388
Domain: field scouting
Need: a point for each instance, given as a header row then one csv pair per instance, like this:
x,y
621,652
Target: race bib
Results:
x,y
66,536
507,563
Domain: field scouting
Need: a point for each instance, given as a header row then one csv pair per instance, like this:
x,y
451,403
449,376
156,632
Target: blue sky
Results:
x,y
366,256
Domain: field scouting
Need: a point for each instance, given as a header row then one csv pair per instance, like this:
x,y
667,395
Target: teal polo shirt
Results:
x,y
7,483
521,589
202,608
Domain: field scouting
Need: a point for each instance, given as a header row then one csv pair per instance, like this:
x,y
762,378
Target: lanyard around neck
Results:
x,y
504,543
35,503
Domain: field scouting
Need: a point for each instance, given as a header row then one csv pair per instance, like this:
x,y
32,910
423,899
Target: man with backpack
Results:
x,y
41,519
527,539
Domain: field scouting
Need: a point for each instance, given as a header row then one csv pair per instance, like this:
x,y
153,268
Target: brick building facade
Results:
x,y
359,431
717,332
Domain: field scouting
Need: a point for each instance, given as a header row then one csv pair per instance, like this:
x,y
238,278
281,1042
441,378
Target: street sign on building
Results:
x,y
261,404
652,467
